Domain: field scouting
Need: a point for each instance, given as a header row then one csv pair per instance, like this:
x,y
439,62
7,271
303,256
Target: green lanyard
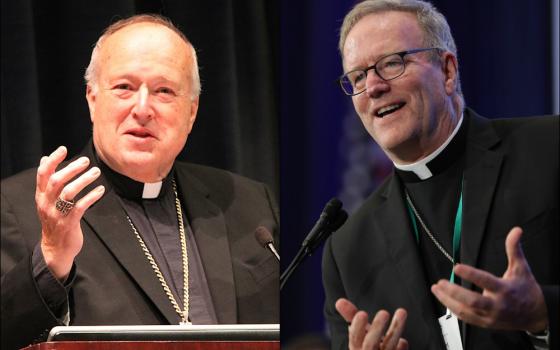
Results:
x,y
456,231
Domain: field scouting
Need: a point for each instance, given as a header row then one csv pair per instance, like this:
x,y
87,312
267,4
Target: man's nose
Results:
x,y
142,108
375,86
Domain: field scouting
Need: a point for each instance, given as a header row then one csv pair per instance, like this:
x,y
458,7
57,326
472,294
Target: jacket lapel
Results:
x,y
397,230
107,220
482,169
209,227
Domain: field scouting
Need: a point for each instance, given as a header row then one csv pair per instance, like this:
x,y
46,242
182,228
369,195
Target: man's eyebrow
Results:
x,y
375,59
386,54
156,80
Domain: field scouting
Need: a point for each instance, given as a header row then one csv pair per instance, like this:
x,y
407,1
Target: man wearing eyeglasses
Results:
x,y
458,248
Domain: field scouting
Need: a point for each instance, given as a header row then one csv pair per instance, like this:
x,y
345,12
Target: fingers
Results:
x,y
52,184
481,278
513,248
469,306
450,293
393,335
376,330
377,335
513,301
357,330
346,309
60,178
402,345
66,184
87,201
48,165
73,188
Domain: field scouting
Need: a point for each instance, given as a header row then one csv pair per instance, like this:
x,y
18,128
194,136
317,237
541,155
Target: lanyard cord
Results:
x,y
456,230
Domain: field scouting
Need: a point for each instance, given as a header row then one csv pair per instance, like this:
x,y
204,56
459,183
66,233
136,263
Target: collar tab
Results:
x,y
151,190
425,168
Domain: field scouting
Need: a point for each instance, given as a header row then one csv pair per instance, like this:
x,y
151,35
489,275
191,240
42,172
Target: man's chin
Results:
x,y
143,166
392,142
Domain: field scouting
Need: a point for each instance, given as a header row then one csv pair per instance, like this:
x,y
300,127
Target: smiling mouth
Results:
x,y
384,111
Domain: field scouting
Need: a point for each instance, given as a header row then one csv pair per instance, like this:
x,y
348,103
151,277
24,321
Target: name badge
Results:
x,y
450,330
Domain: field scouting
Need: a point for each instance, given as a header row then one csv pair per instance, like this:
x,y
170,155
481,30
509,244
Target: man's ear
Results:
x,y
193,112
91,95
450,71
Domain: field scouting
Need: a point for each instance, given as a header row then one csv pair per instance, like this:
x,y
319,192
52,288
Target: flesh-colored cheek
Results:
x,y
359,105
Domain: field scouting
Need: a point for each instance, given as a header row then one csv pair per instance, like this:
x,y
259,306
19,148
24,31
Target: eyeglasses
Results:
x,y
387,68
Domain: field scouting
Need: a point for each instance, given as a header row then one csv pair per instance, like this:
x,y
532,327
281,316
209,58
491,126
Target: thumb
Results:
x,y
513,248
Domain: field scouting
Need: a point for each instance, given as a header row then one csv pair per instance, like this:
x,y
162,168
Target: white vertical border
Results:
x,y
555,56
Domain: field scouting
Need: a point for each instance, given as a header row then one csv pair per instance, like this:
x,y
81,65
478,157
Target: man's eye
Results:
x,y
123,87
392,64
358,78
164,90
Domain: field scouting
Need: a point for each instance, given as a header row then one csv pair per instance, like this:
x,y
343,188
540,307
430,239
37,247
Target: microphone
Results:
x,y
331,208
331,218
333,225
264,237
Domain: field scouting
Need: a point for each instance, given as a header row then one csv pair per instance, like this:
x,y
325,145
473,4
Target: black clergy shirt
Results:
x,y
436,198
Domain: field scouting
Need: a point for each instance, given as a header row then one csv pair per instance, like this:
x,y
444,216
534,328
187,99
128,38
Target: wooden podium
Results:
x,y
214,337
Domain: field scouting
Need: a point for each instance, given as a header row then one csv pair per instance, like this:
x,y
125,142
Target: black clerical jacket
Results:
x,y
114,283
510,179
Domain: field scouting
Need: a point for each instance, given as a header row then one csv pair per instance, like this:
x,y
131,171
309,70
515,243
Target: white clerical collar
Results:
x,y
420,168
151,190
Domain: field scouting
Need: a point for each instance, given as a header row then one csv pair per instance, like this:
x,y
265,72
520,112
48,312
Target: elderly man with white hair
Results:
x,y
124,233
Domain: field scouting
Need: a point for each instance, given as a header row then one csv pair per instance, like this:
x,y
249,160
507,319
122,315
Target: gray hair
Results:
x,y
434,25
92,70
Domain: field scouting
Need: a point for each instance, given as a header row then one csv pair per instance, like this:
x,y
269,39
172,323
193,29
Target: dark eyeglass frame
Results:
x,y
401,54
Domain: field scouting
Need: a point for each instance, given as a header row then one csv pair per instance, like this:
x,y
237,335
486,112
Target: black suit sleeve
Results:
x,y
26,318
551,296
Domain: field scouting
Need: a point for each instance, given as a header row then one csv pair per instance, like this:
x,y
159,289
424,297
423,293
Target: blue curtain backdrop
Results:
x,y
506,68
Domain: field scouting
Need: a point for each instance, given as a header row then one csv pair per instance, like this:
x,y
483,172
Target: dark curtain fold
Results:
x,y
46,47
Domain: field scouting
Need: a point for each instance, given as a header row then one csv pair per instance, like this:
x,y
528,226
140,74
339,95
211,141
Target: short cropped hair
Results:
x,y
92,69
434,25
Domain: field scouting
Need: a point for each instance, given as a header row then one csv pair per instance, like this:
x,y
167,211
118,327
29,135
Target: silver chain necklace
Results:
x,y
183,314
428,232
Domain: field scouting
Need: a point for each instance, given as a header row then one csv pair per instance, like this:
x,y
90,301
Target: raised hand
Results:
x,y
61,234
513,302
377,335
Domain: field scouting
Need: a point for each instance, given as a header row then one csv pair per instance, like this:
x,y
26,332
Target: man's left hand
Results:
x,y
513,302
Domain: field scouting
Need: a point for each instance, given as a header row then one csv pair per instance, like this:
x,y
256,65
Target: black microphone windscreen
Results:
x,y
263,236
332,206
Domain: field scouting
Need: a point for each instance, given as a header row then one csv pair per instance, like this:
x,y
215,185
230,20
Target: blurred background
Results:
x,y
508,61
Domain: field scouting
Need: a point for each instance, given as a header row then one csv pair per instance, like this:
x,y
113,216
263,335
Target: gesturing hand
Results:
x,y
362,335
61,234
514,302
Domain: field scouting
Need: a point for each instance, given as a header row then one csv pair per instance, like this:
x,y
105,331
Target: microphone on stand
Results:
x,y
264,237
331,209
331,218
334,225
